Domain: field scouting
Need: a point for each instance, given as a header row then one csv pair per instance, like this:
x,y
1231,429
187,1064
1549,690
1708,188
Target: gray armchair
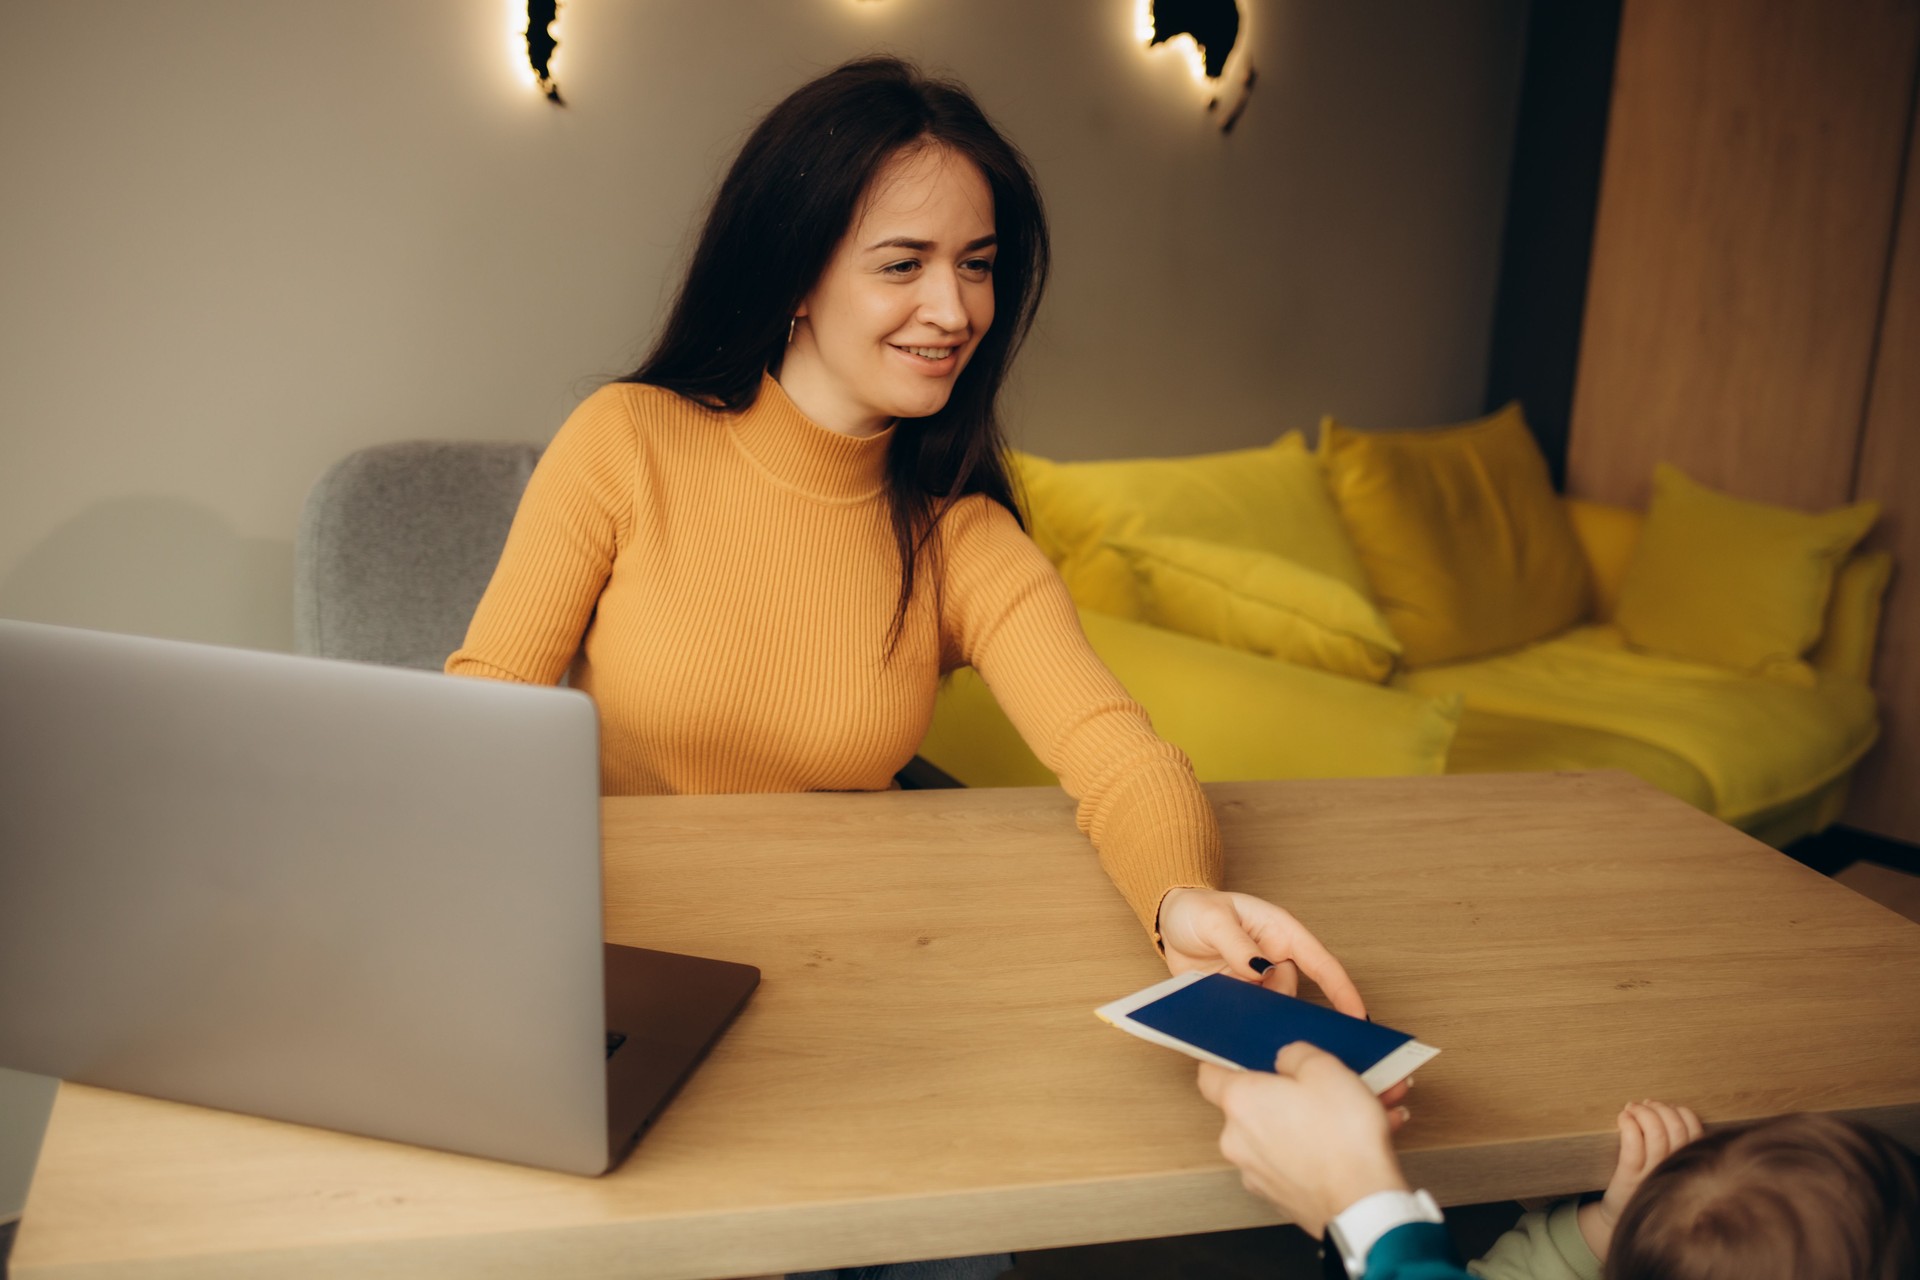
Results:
x,y
396,545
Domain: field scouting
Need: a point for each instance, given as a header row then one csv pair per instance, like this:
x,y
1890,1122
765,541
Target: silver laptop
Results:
x,y
346,895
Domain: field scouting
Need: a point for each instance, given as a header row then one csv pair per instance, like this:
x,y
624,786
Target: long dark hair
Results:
x,y
784,206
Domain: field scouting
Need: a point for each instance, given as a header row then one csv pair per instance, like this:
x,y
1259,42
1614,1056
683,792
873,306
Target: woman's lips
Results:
x,y
930,359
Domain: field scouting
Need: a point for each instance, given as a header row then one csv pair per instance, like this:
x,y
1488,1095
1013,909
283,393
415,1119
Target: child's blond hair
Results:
x,y
1803,1197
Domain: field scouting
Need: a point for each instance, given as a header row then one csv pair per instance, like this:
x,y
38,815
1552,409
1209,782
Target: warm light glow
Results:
x,y
1196,56
517,43
1184,44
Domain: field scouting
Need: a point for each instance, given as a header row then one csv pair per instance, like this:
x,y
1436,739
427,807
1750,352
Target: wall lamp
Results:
x,y
541,44
1207,32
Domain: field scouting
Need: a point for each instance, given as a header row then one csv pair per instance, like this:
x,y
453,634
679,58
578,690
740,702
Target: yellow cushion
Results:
x,y
1271,499
1466,545
1760,744
1740,584
1263,603
1236,715
1852,628
1492,743
1607,535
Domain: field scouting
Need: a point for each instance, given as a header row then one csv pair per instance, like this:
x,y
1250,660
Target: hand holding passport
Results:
x,y
1220,1019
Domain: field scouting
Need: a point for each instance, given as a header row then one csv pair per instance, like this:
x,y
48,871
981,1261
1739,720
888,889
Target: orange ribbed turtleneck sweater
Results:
x,y
722,585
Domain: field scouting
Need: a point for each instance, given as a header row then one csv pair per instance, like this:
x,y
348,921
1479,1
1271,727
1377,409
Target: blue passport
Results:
x,y
1221,1019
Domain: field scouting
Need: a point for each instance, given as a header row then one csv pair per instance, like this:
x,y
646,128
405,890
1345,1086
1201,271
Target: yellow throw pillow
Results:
x,y
1466,545
1735,583
1271,499
1852,624
1607,535
1263,603
1236,715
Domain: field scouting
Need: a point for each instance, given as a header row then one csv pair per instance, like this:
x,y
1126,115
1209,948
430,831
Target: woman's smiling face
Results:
x,y
904,300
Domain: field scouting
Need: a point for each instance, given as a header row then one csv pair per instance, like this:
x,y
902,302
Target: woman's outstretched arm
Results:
x,y
1008,615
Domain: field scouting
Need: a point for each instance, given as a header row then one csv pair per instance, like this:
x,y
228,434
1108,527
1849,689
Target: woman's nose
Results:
x,y
940,302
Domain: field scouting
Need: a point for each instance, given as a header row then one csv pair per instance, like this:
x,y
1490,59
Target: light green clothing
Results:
x,y
1544,1245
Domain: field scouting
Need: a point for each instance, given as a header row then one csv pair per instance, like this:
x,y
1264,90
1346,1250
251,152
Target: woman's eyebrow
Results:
x,y
921,246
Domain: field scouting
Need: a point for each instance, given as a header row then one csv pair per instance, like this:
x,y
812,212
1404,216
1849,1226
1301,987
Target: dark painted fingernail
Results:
x,y
1260,964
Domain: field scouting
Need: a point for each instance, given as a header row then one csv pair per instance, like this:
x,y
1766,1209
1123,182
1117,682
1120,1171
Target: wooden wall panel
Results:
x,y
1752,168
1886,794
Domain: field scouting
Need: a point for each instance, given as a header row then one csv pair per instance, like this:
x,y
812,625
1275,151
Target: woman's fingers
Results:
x,y
1327,973
1306,951
1284,978
1254,938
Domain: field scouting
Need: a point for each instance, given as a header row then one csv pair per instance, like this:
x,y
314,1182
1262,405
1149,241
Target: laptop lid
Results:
x,y
352,896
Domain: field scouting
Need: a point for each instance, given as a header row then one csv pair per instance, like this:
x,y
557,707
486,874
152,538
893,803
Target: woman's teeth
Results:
x,y
930,353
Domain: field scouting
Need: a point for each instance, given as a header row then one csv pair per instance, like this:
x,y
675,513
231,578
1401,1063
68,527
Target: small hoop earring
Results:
x,y
791,321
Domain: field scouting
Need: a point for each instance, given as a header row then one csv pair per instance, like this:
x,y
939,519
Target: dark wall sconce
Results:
x,y
1211,30
1214,25
541,44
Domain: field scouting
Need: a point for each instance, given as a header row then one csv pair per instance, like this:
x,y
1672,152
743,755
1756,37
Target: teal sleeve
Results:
x,y
1415,1251
1544,1245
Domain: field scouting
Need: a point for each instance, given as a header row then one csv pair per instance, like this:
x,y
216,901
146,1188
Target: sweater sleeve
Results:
x,y
1007,614
1545,1244
576,513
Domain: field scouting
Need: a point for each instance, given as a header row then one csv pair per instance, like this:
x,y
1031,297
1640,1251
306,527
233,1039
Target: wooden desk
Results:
x,y
921,1073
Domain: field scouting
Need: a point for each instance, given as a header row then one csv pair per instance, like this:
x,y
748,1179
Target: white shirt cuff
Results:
x,y
1359,1226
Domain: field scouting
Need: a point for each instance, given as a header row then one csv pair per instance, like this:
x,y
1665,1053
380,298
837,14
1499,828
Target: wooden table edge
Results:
x,y
738,1242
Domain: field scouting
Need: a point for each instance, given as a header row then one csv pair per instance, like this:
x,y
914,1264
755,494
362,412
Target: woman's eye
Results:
x,y
978,266
906,268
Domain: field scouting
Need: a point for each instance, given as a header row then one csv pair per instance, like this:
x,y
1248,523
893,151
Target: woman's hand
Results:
x,y
1311,1137
1649,1133
1200,928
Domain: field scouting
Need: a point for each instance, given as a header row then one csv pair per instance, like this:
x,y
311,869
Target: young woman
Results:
x,y
761,550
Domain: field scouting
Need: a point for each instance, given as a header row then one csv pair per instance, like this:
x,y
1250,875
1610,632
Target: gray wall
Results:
x,y
243,237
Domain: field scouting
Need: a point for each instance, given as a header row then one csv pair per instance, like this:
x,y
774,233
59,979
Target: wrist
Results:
x,y
1167,900
1354,1231
1596,1227
1348,1187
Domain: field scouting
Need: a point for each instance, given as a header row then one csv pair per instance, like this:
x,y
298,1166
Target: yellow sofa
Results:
x,y
1769,756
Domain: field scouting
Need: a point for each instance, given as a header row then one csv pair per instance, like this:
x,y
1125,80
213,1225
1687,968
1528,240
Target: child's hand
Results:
x,y
1649,1132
